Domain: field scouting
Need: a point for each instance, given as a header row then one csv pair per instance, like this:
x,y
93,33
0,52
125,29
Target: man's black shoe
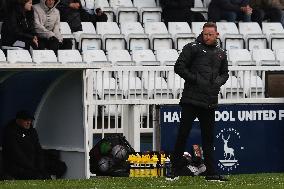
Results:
x,y
218,178
172,176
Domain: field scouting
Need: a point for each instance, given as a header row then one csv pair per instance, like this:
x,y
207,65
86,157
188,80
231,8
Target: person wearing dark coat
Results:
x,y
22,152
229,10
72,12
204,67
18,26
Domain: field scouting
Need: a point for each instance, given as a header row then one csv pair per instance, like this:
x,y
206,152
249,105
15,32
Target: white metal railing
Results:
x,y
124,97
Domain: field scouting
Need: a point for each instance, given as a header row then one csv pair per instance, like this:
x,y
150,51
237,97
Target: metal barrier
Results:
x,y
125,98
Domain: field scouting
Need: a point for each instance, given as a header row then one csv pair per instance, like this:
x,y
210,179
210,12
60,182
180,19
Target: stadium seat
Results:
x,y
140,56
160,38
230,37
127,14
88,38
2,56
91,56
110,31
19,56
135,36
44,56
89,4
66,33
197,27
275,34
201,7
240,57
181,34
279,55
264,57
167,55
252,32
149,12
120,3
69,56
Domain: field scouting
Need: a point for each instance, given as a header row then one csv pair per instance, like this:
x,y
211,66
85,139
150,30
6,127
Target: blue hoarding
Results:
x,y
248,138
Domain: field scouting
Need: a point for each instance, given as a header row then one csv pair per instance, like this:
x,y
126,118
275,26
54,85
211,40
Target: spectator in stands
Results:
x,y
22,153
204,67
270,10
23,157
18,27
179,11
73,13
47,26
100,16
229,10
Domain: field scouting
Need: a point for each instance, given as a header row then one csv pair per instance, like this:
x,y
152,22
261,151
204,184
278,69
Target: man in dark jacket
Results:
x,y
230,10
204,67
22,152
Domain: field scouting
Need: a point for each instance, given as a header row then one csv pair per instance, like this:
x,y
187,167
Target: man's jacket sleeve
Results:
x,y
183,64
223,73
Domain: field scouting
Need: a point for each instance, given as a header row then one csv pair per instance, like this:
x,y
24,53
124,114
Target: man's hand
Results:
x,y
247,9
35,41
74,5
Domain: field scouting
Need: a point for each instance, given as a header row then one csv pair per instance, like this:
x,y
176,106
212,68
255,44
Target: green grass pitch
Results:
x,y
250,181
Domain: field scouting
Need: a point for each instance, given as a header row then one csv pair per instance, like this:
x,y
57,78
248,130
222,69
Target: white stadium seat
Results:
x,y
264,57
44,56
69,56
240,57
181,34
110,31
230,36
275,34
135,36
19,56
2,56
159,35
279,55
252,32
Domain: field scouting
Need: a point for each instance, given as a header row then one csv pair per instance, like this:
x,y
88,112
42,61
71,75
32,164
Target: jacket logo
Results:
x,y
23,135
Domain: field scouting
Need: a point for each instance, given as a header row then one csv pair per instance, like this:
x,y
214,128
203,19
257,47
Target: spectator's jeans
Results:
x,y
231,16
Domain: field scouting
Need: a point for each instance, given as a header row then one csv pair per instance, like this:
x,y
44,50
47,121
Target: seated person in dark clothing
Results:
x,y
22,153
100,16
18,27
266,10
229,10
72,12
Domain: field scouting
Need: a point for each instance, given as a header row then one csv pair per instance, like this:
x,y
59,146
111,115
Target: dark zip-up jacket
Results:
x,y
18,25
21,149
204,69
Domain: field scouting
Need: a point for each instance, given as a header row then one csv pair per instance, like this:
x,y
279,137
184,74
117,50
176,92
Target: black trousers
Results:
x,y
207,119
